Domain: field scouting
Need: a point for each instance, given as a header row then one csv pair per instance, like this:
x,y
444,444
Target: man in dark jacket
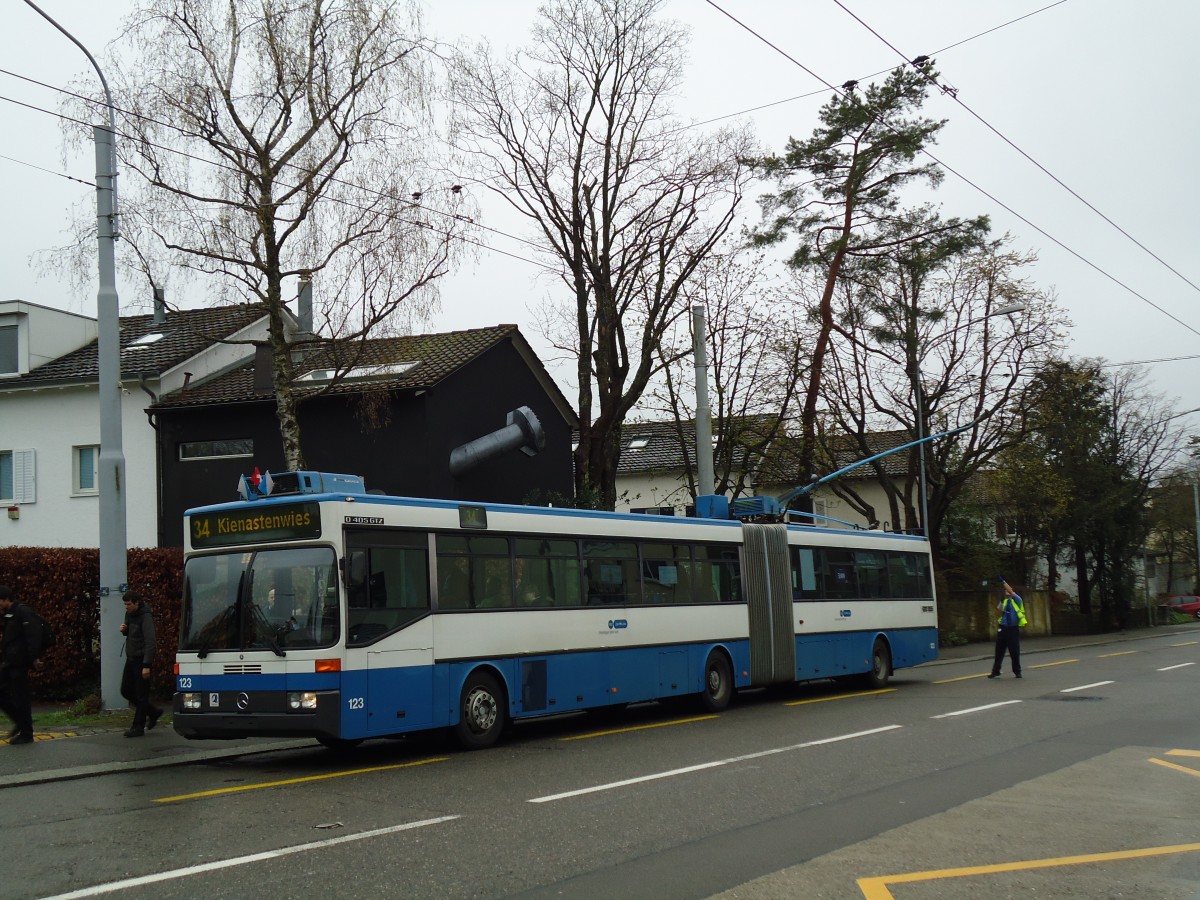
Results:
x,y
22,649
140,646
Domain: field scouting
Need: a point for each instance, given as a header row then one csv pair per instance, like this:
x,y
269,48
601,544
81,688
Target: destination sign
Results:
x,y
293,522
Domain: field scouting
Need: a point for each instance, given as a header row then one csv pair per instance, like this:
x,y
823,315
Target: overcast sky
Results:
x,y
1099,92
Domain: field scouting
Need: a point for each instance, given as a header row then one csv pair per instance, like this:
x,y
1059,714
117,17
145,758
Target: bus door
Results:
x,y
388,622
767,581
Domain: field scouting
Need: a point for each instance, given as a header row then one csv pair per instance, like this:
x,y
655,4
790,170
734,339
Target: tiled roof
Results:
x,y
780,465
435,356
653,446
184,332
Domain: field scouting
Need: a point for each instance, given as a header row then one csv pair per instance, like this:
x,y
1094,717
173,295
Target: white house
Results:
x,y
651,476
50,417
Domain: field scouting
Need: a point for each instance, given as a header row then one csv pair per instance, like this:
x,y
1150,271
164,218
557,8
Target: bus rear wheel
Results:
x,y
718,682
881,665
481,713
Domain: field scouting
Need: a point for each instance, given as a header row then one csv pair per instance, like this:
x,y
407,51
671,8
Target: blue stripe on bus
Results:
x,y
293,681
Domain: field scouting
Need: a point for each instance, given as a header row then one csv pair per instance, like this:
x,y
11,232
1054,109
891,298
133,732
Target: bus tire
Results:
x,y
718,682
881,665
481,717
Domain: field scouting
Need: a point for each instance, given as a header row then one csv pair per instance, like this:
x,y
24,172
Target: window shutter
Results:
x,y
24,476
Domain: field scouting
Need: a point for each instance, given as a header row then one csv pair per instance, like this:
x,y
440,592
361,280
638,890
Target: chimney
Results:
x,y
304,310
264,381
160,306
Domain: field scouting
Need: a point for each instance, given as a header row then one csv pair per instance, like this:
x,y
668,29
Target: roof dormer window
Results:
x,y
8,350
360,373
146,340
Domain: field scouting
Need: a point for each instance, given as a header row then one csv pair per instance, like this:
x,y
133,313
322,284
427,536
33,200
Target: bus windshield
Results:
x,y
266,600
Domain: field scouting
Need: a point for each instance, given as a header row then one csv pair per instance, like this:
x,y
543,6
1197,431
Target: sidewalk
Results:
x,y
985,650
62,754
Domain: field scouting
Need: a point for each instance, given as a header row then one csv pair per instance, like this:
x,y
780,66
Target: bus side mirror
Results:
x,y
356,569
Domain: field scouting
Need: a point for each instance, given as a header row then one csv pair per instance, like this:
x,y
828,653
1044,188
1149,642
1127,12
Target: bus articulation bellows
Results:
x,y
325,611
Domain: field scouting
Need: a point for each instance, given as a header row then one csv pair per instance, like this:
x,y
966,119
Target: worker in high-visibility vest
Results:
x,y
1008,636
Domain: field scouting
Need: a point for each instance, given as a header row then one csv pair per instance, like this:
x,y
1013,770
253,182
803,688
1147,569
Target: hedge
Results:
x,y
62,585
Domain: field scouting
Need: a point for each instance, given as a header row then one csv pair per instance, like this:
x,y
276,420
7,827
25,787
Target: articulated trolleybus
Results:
x,y
323,610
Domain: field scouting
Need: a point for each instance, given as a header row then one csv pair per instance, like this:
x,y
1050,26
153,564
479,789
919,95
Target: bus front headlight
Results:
x,y
190,701
299,700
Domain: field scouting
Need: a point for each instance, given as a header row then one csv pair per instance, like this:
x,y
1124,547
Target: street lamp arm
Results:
x,y
112,122
112,118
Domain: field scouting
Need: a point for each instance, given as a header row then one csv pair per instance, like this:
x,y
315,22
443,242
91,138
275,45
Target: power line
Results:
x,y
962,177
21,162
479,225
220,165
953,95
1145,362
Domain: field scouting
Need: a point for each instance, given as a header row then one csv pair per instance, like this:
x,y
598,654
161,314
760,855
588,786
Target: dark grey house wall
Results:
x,y
476,401
405,454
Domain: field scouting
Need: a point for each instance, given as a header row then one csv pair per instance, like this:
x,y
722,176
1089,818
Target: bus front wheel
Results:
x,y
718,682
481,714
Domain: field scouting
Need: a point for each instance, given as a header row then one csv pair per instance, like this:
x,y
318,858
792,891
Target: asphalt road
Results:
x,y
1080,780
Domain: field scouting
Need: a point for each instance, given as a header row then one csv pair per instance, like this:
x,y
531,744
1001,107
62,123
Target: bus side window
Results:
x,y
453,584
394,593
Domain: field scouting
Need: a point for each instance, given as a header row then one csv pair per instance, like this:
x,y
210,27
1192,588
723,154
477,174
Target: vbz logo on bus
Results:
x,y
846,613
617,624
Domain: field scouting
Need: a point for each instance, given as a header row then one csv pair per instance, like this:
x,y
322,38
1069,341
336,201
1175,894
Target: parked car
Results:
x,y
1186,604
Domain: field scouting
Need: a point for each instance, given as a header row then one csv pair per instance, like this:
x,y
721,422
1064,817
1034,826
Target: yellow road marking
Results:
x,y
1061,662
1186,644
1122,653
1183,753
876,887
595,734
270,784
1175,766
840,697
45,736
961,678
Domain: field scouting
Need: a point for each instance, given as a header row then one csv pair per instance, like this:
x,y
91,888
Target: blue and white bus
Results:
x,y
323,610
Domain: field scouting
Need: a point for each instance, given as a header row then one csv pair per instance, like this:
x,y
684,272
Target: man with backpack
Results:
x,y
22,650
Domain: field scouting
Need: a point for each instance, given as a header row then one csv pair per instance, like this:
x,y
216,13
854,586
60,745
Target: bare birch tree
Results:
x,y
262,139
575,134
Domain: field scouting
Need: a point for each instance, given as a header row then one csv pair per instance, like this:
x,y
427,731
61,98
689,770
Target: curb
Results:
x,y
183,758
1098,640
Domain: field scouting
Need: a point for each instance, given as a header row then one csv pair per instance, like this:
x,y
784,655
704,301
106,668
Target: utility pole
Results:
x,y
705,481
113,572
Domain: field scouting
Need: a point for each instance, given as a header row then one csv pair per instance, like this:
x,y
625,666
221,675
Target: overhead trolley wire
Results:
x,y
953,95
415,205
964,178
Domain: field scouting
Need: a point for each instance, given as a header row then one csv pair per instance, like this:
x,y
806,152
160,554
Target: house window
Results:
x,y
8,349
639,444
1006,527
84,463
216,449
18,483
